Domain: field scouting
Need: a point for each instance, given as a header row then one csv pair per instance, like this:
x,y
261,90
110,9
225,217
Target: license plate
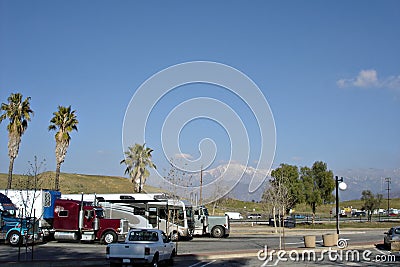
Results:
x,y
126,261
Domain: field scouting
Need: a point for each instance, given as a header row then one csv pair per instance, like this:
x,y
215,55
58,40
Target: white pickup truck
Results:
x,y
142,246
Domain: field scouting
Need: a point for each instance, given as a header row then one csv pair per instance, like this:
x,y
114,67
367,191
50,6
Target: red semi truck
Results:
x,y
81,220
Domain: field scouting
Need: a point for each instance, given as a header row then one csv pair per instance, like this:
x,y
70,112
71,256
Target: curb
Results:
x,y
253,253
58,263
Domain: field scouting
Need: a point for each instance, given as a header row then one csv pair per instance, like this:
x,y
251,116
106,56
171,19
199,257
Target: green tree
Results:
x,y
288,175
137,159
318,185
371,202
64,121
18,112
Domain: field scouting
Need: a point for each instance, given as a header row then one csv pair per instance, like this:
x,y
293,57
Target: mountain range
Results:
x,y
357,180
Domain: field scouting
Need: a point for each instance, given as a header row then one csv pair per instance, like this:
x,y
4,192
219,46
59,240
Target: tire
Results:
x,y
217,231
154,263
109,237
115,264
170,261
175,236
14,238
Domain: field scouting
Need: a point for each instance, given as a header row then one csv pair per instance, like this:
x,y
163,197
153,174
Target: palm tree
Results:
x,y
137,158
19,113
64,121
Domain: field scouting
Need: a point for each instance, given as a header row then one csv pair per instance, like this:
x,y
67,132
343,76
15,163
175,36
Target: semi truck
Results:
x,y
14,230
35,203
66,219
80,220
214,226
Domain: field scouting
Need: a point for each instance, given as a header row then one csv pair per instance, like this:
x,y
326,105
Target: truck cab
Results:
x,y
15,230
215,226
79,220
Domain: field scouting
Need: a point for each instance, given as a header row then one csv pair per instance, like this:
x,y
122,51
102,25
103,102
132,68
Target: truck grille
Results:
x,y
124,225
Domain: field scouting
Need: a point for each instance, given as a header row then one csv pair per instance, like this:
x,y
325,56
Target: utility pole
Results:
x,y
388,181
201,185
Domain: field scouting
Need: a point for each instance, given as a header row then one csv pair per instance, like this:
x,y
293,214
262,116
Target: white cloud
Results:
x,y
369,79
393,82
183,156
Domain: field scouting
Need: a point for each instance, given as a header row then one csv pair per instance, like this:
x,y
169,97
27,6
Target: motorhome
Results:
x,y
155,211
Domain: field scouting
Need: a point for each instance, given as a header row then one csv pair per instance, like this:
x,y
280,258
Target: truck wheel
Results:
x,y
109,237
154,263
217,232
170,261
175,236
14,238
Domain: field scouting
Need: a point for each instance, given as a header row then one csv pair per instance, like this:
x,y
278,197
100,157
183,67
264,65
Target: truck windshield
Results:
x,y
205,211
99,213
189,213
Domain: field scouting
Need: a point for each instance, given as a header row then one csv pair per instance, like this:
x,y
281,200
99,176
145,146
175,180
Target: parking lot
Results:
x,y
242,248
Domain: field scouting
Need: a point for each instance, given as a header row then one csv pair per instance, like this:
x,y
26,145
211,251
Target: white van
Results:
x,y
234,215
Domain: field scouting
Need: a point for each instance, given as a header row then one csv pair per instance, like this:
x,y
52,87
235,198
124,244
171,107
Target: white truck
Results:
x,y
142,246
234,215
215,226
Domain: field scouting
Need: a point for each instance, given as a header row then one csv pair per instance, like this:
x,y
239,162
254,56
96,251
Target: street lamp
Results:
x,y
342,186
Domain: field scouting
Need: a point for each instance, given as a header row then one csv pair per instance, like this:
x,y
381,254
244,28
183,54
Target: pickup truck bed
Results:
x,y
144,246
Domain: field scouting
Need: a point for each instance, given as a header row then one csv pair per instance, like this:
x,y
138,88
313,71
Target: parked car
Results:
x,y
146,246
298,216
392,235
359,214
288,222
234,215
254,216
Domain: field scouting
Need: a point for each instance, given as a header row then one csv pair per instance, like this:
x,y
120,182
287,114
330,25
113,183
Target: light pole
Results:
x,y
388,181
342,186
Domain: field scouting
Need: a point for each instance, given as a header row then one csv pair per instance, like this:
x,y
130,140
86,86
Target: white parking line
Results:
x,y
195,264
383,251
198,264
302,242
316,241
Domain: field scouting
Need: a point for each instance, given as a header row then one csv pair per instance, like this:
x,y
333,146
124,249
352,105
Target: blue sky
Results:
x,y
330,71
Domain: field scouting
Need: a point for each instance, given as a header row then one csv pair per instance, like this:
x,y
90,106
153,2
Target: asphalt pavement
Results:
x,y
246,246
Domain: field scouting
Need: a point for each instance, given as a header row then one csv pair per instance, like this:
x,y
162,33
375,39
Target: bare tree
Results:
x,y
277,199
33,179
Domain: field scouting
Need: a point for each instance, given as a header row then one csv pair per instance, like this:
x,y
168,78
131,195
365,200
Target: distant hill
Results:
x,y
76,183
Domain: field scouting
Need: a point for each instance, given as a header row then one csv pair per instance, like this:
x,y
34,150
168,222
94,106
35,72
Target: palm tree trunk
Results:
x,y
57,179
10,172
